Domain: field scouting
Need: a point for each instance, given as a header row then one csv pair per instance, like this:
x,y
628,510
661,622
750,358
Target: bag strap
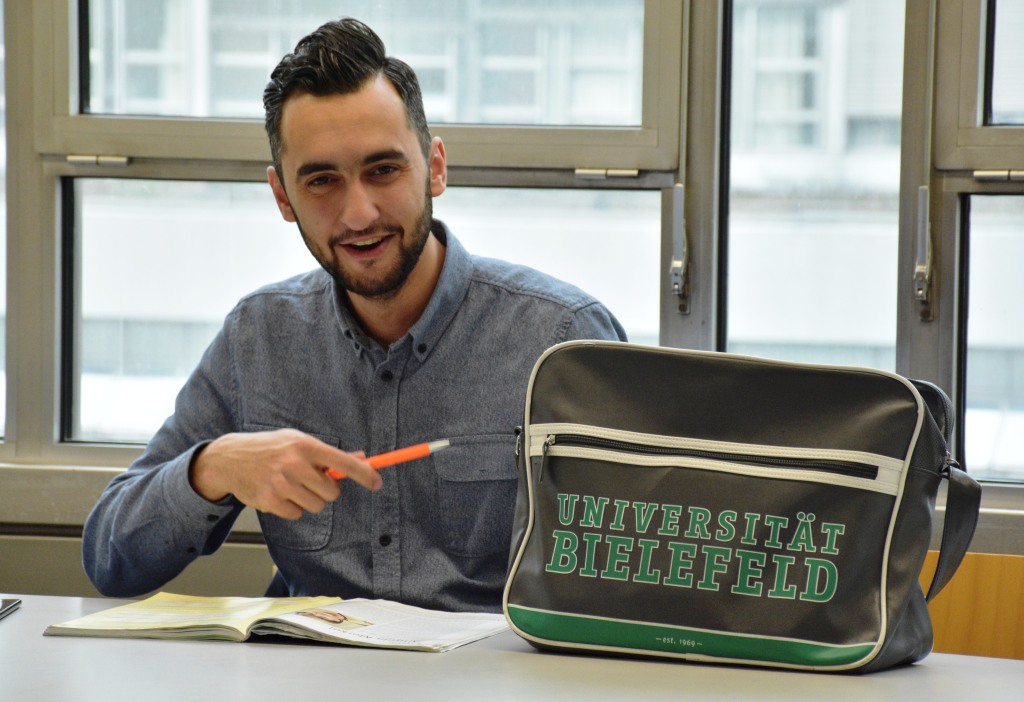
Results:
x,y
963,497
963,500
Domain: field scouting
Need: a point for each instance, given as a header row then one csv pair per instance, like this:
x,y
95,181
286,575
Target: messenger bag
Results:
x,y
723,508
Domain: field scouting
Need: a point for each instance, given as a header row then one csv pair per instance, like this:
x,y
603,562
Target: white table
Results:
x,y
34,668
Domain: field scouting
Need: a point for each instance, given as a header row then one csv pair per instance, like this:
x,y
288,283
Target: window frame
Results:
x,y
40,75
651,146
939,152
955,161
962,140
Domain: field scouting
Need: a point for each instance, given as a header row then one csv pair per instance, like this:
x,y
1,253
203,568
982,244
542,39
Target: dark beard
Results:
x,y
410,251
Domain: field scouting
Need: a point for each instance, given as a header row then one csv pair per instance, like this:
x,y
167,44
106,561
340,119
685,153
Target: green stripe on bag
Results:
x,y
594,631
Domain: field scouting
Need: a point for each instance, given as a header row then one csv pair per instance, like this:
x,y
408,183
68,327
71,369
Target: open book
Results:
x,y
356,622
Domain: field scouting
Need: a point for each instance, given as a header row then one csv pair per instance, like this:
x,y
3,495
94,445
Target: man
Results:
x,y
403,337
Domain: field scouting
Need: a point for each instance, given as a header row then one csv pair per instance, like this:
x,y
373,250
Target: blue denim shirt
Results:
x,y
291,355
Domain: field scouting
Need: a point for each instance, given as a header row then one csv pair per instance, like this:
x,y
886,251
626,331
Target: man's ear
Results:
x,y
280,196
438,165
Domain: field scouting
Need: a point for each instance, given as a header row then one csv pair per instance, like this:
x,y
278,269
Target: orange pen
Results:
x,y
402,455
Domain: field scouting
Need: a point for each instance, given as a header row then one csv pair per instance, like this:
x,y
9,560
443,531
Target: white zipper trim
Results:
x,y
803,475
888,481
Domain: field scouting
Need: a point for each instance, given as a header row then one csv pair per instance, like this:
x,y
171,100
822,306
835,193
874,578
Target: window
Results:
x,y
994,385
563,230
133,352
160,155
187,251
978,103
829,181
780,74
578,84
1006,62
813,173
523,62
977,194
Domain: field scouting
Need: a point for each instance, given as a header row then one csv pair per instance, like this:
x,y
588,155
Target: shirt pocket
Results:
x,y
310,532
477,481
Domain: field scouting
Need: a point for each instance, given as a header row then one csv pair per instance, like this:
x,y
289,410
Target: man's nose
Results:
x,y
359,209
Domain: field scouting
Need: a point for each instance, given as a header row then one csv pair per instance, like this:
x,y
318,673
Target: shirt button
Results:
x,y
212,518
422,348
387,376
385,540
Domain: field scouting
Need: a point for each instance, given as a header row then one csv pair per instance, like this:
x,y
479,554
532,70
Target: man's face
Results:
x,y
354,179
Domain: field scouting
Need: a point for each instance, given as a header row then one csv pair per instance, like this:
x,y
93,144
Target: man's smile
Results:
x,y
367,246
367,243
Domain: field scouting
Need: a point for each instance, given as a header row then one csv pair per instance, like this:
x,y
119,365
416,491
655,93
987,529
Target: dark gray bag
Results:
x,y
723,508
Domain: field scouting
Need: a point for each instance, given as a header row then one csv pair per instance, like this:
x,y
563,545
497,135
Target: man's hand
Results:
x,y
280,472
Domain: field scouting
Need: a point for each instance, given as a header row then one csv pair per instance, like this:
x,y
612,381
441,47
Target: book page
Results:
x,y
167,615
388,624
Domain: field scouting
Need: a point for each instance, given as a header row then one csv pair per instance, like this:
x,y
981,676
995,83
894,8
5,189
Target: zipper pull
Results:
x,y
548,443
519,441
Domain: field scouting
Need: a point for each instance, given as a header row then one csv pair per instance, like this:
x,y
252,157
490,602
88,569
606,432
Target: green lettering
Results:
x,y
567,508
775,526
563,557
751,569
682,559
645,574
592,539
670,520
593,511
780,589
822,579
716,561
620,511
752,518
832,532
726,526
803,538
644,514
616,568
698,529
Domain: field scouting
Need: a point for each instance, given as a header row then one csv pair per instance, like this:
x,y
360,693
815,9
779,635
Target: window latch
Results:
x,y
923,256
679,272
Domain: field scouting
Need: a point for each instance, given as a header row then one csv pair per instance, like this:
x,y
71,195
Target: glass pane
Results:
x,y
189,251
1008,63
607,242
814,180
994,417
576,62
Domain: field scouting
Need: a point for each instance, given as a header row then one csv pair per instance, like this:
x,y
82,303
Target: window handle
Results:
x,y
679,273
923,255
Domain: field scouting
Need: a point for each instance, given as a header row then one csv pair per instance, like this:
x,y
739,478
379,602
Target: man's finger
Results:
x,y
339,465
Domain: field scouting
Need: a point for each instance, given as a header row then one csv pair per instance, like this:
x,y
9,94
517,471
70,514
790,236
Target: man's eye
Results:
x,y
384,170
318,181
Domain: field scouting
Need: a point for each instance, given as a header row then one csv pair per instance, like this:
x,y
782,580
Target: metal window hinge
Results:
x,y
996,176
602,173
98,160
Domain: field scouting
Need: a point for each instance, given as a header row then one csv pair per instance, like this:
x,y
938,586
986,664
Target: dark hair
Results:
x,y
337,59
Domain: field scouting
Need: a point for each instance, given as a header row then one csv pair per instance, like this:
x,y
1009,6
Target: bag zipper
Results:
x,y
851,469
